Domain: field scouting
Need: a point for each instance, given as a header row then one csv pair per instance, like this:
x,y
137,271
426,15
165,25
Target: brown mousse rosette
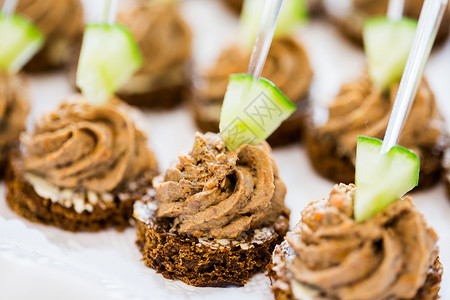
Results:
x,y
14,108
82,168
61,21
165,41
351,21
219,215
328,255
287,66
363,109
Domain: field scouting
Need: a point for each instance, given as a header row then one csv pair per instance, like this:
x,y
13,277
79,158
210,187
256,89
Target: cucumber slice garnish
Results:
x,y
252,111
109,57
292,13
21,39
387,45
382,179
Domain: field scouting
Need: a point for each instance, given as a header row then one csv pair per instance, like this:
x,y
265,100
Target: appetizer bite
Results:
x,y
220,210
86,162
21,40
287,66
363,242
217,217
362,108
61,22
350,17
165,41
82,168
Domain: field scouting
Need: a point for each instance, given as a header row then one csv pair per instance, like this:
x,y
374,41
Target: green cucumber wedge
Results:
x,y
292,13
387,45
21,39
382,179
252,111
109,57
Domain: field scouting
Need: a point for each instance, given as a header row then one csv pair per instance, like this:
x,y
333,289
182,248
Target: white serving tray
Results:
x,y
41,262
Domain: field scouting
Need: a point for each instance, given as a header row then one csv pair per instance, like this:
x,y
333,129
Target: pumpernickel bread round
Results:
x,y
218,263
163,98
23,200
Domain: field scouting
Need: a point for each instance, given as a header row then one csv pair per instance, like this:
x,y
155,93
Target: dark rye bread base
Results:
x,y
4,158
180,257
446,180
42,63
163,98
290,131
446,184
3,163
235,5
429,291
329,163
24,201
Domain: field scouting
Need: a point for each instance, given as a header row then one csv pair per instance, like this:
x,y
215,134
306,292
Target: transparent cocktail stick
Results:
x,y
395,10
9,6
264,37
110,11
429,21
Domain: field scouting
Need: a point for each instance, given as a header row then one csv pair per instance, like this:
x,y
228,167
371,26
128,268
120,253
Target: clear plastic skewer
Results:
x,y
429,21
395,10
110,11
9,6
264,37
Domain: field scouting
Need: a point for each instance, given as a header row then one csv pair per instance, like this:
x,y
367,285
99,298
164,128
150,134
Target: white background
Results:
x,y
41,262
